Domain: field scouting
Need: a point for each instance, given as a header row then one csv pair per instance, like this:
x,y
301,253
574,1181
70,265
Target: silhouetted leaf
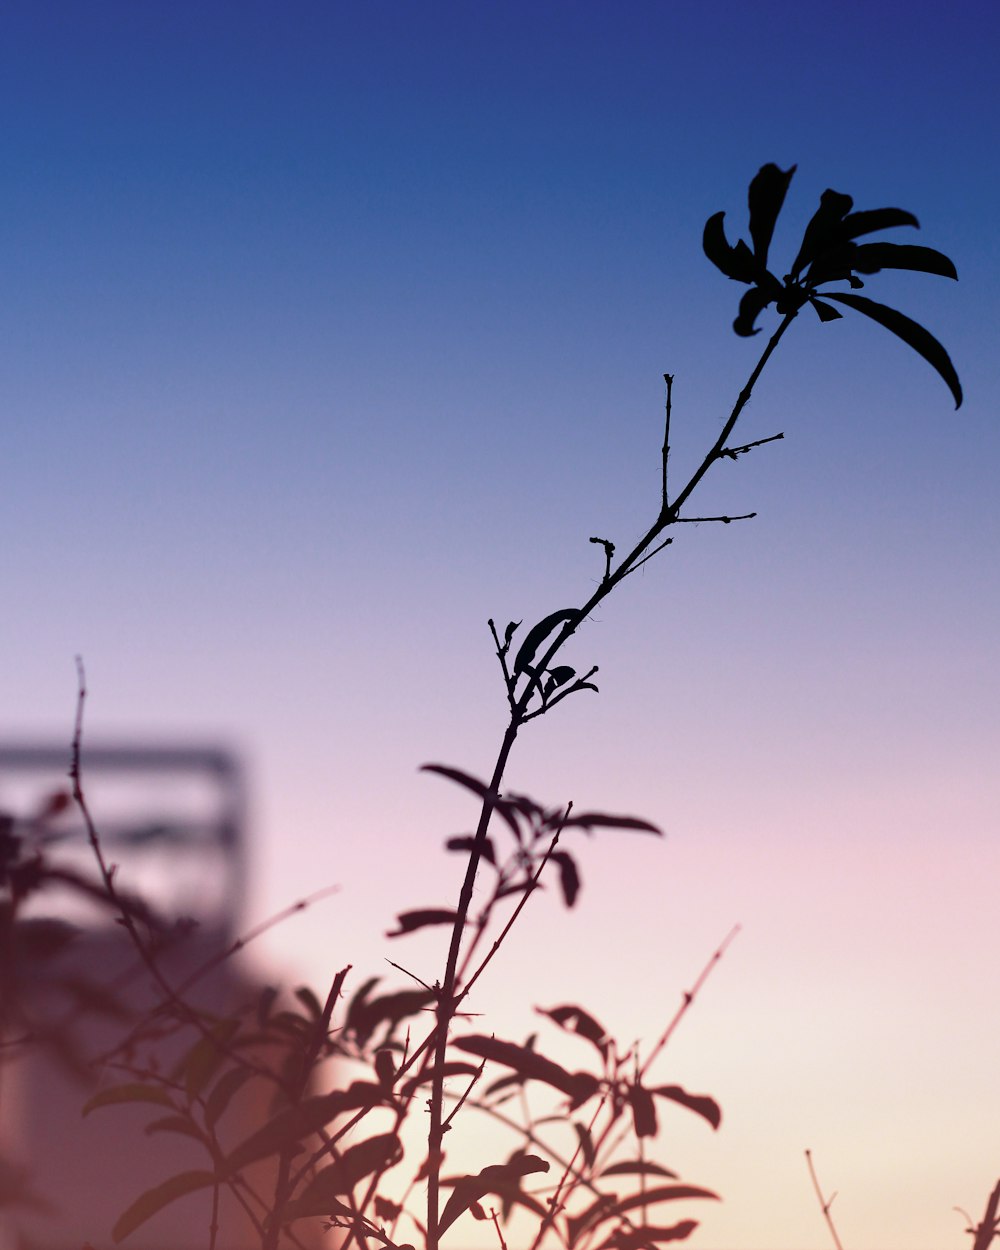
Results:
x,y
643,1111
586,1144
752,305
385,1067
206,1056
508,633
872,257
569,877
826,313
576,1224
638,1238
640,1167
914,335
576,1020
735,262
480,789
175,1124
609,820
497,1178
387,1210
264,1004
389,1008
285,1130
537,635
700,1104
665,1193
766,196
524,886
133,1091
825,228
42,937
410,921
561,674
321,1195
467,842
157,1198
358,1004
309,1000
871,219
579,1086
222,1092
454,1068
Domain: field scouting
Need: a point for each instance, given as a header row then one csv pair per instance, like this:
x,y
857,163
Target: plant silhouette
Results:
x,y
580,1169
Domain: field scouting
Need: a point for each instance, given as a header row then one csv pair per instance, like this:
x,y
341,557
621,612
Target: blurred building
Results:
x,y
172,820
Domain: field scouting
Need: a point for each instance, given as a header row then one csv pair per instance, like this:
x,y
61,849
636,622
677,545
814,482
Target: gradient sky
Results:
x,y
332,329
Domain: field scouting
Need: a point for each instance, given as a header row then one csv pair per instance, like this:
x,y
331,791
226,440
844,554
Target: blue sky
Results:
x,y
333,329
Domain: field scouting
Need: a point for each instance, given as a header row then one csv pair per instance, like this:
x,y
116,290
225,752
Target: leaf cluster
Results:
x,y
829,253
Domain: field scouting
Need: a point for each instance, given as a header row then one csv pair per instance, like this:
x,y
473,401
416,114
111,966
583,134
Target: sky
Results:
x,y
332,330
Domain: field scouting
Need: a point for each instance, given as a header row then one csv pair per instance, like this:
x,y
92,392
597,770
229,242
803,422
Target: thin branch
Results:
x,y
665,454
732,452
667,514
688,998
825,1203
521,904
655,552
697,520
989,1227
609,551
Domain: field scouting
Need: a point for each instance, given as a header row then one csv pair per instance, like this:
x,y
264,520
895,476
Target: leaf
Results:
x,y
480,789
410,921
665,1193
285,1130
309,1000
752,305
454,1068
157,1198
643,1111
586,1144
576,1224
358,1004
609,820
530,1065
569,877
390,1008
42,937
872,219
175,1124
645,1235
385,1068
537,635
873,257
508,633
206,1056
467,842
576,1020
386,1210
221,1093
560,675
264,1004
825,228
376,1154
826,313
641,1167
735,262
132,1092
922,341
700,1104
497,1178
766,196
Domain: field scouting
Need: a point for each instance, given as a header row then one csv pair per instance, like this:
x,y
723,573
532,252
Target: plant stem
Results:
x,y
669,514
